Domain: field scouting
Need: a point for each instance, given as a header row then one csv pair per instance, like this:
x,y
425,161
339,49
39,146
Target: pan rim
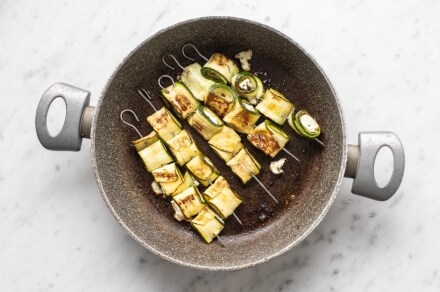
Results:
x,y
208,267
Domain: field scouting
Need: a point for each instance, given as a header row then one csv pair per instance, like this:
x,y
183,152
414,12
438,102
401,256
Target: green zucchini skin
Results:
x,y
205,121
294,121
219,68
248,85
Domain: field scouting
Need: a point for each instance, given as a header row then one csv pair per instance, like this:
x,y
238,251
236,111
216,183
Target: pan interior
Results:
x,y
305,190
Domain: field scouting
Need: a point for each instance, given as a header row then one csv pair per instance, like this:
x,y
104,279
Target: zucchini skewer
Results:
x,y
199,166
304,125
274,105
190,202
241,118
208,124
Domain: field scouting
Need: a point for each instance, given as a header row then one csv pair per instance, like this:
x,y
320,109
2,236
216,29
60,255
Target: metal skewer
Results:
x,y
195,49
129,124
261,184
221,241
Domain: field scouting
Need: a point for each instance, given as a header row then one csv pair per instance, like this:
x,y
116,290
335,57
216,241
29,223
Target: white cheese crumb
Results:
x,y
156,188
277,166
253,100
177,212
244,58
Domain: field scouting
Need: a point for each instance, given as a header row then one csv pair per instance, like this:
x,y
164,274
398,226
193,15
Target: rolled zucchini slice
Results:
x,y
206,122
183,147
146,141
168,177
304,124
190,202
243,164
226,156
187,182
242,117
220,99
219,68
202,168
275,106
227,139
207,224
221,198
165,124
155,156
196,83
269,138
247,85
182,100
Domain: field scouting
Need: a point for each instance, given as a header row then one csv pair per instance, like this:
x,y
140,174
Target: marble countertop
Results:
x,y
56,232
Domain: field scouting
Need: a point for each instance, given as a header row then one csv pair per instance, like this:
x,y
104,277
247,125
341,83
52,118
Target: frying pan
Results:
x,y
305,190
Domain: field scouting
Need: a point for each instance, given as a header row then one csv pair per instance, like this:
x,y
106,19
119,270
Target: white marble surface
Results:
x,y
56,232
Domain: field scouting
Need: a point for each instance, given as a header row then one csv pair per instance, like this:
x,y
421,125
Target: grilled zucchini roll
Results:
x,y
268,138
243,164
226,156
304,124
275,106
221,198
187,182
205,122
248,85
159,152
196,83
220,99
226,140
242,117
207,224
202,168
146,141
183,147
168,177
190,202
165,124
219,68
182,100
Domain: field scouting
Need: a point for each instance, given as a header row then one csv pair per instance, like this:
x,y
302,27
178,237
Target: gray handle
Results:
x,y
360,165
78,119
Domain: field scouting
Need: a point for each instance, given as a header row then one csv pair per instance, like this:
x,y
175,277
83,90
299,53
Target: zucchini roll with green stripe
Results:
x,y
268,137
183,148
244,165
248,85
196,83
165,124
182,100
226,143
221,198
208,224
202,168
220,99
242,117
168,177
219,68
275,106
304,124
206,122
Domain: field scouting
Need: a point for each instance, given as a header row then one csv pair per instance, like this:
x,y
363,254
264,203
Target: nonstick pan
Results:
x,y
305,190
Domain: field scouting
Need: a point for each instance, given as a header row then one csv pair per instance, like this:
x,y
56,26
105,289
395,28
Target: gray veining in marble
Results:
x,y
56,232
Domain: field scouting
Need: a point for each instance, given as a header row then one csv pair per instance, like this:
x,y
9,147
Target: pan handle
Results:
x,y
360,165
78,121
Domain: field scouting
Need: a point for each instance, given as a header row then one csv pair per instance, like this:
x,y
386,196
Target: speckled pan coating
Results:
x,y
127,192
